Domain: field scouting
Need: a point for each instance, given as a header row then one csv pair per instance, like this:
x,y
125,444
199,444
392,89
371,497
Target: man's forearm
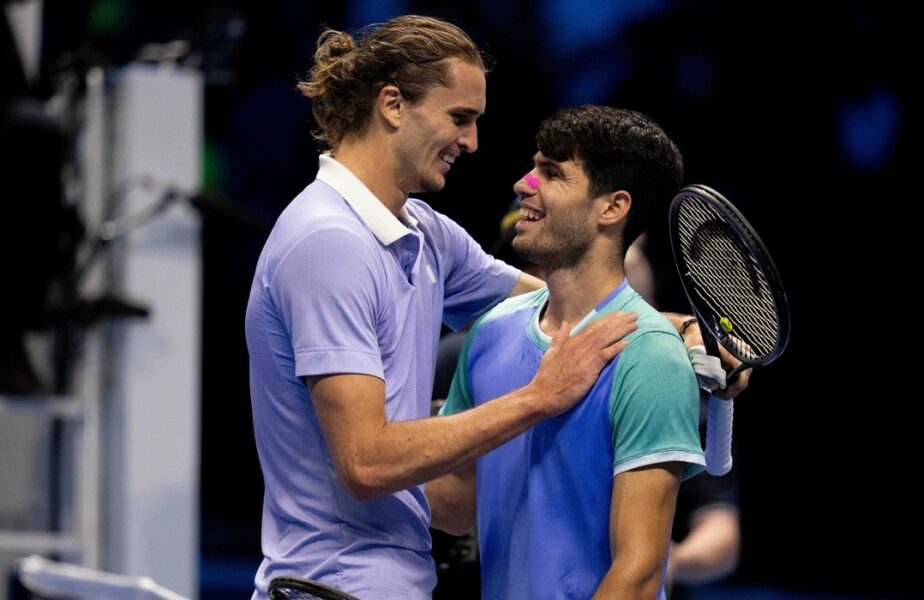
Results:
x,y
710,550
526,283
374,456
676,319
630,582
412,452
397,455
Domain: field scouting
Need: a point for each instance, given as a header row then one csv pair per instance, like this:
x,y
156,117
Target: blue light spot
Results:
x,y
572,26
363,12
693,76
594,82
867,129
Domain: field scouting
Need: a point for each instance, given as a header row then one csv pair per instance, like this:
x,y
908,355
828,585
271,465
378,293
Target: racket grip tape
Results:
x,y
719,436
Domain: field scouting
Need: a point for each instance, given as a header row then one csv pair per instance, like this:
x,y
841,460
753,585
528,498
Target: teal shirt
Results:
x,y
544,497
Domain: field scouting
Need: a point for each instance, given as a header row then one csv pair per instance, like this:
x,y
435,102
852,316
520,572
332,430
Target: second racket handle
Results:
x,y
719,436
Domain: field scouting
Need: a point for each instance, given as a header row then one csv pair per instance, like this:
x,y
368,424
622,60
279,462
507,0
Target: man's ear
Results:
x,y
616,207
390,104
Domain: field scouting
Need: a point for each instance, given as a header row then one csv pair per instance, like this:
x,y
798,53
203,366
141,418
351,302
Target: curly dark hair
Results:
x,y
619,150
410,51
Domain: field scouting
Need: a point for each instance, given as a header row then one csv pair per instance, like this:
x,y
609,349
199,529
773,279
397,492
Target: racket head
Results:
x,y
297,588
732,284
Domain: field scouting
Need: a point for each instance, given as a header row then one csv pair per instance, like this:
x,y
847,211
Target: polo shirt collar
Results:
x,y
383,224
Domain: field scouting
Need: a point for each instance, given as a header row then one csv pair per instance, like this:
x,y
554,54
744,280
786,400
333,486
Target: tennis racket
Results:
x,y
296,588
735,292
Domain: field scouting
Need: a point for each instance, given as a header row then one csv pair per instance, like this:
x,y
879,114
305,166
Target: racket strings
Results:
x,y
732,278
738,290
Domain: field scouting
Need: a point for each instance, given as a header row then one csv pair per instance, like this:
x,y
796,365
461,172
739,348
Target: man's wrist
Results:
x,y
686,325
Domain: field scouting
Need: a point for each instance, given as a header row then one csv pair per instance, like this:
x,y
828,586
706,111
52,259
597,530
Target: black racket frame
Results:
x,y
733,218
297,584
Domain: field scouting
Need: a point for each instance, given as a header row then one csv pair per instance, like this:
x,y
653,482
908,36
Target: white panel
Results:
x,y
25,19
154,494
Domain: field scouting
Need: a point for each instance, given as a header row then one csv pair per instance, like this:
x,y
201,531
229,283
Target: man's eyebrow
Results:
x,y
467,111
546,163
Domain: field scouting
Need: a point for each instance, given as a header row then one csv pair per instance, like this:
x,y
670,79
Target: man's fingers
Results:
x,y
610,352
572,363
740,383
614,326
728,359
603,337
737,386
560,336
564,330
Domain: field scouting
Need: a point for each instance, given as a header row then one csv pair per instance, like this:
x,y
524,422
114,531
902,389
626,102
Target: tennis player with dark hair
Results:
x,y
345,312
580,505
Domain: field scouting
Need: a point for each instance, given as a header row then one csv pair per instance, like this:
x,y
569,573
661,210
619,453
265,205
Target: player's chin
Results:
x,y
434,184
521,245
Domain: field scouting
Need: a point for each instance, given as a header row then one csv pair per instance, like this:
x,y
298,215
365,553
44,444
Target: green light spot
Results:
x,y
107,16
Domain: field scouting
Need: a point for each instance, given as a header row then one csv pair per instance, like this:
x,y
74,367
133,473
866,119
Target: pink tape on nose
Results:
x,y
531,180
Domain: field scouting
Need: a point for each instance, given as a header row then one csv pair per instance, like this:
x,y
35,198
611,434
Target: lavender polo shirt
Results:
x,y
343,286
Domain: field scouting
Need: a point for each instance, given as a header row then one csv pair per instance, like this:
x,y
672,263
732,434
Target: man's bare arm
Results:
x,y
452,499
374,456
526,283
710,550
641,514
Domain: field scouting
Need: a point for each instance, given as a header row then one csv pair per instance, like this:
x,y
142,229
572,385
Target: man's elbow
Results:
x,y
452,503
363,483
361,492
457,524
639,578
648,582
456,530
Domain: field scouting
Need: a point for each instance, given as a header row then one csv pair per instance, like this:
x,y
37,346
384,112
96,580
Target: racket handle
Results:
x,y
719,436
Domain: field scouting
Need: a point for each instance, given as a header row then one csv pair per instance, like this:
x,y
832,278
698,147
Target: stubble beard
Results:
x,y
431,183
424,179
562,248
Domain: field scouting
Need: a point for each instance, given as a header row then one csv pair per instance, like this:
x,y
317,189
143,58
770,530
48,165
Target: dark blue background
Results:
x,y
801,115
